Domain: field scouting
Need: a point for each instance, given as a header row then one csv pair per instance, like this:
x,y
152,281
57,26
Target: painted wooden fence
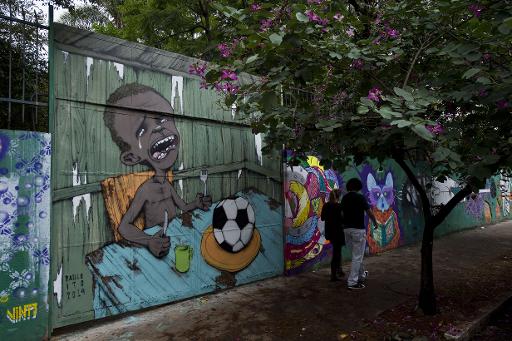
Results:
x,y
135,141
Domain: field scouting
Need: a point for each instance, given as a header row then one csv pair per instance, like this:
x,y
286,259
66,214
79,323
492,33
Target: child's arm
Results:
x,y
158,245
202,202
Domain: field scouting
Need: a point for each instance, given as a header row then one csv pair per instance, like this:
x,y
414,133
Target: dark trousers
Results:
x,y
336,257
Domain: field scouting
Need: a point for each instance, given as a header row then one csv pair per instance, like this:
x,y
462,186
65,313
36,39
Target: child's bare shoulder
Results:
x,y
145,189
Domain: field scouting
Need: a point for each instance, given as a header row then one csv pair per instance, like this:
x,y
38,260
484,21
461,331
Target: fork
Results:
x,y
203,175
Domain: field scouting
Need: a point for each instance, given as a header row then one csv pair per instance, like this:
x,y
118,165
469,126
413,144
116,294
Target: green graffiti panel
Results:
x,y
24,234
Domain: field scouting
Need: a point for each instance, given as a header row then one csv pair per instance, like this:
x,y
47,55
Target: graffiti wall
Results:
x,y
393,201
160,193
24,234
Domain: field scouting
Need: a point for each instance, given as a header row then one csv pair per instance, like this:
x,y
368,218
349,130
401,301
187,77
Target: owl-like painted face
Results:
x,y
381,197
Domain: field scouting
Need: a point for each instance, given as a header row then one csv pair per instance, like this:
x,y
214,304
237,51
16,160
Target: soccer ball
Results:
x,y
233,224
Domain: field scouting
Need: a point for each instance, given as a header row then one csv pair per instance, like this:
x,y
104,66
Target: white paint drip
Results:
x,y
89,62
177,90
233,110
66,55
57,285
239,173
120,69
77,181
180,182
140,144
257,141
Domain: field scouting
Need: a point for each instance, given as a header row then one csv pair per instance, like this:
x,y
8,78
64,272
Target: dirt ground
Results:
x,y
470,268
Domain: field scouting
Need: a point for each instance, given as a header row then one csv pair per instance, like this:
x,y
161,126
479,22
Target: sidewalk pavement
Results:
x,y
307,306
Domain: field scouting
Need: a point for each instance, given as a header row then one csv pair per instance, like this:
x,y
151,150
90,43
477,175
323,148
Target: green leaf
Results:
x,y
504,28
470,73
268,101
422,131
354,53
401,123
276,39
388,113
483,80
333,54
301,17
362,109
404,94
252,59
441,154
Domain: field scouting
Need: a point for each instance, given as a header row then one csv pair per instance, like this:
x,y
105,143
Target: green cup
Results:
x,y
183,254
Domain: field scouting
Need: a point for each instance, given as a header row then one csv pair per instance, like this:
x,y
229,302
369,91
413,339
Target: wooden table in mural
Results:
x,y
130,278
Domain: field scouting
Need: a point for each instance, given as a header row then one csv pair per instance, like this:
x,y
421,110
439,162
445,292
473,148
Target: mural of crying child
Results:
x,y
150,138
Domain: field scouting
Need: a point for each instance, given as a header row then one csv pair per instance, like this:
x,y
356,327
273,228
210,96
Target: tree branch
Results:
x,y
425,204
450,205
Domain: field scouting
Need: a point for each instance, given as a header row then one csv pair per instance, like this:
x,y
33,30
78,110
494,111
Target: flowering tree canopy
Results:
x,y
409,80
417,79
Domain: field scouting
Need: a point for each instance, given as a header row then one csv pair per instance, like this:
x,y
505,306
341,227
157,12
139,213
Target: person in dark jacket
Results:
x,y
332,215
354,206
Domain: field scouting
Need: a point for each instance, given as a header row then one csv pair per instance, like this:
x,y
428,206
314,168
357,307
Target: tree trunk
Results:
x,y
427,296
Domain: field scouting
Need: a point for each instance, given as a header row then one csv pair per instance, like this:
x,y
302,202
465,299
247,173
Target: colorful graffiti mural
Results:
x,y
393,200
381,197
24,234
144,211
168,199
492,203
307,188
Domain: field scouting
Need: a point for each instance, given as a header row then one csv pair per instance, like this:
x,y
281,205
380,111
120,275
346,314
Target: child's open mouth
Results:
x,y
161,148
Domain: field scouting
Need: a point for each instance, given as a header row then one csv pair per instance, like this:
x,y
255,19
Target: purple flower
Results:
x,y
435,129
226,87
228,74
255,7
374,94
378,19
476,10
197,69
338,17
315,2
502,104
265,24
323,22
224,49
230,88
203,85
350,32
392,33
487,57
312,16
340,97
357,64
482,93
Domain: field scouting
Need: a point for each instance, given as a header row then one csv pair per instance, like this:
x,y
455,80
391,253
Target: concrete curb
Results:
x,y
466,331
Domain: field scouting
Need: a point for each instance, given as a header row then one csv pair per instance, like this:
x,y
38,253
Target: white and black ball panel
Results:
x,y
219,217
246,234
242,218
219,237
241,203
238,246
230,209
233,223
231,232
250,214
